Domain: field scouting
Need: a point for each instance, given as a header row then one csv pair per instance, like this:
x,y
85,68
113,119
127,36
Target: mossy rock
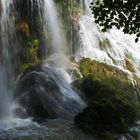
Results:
x,y
114,116
93,88
100,117
109,75
108,109
88,66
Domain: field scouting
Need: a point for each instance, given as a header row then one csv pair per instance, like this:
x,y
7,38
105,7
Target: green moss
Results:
x,y
111,76
30,55
105,43
108,75
85,66
88,66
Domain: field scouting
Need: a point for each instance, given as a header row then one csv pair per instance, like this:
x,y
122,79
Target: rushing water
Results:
x,y
57,51
8,47
50,84
113,47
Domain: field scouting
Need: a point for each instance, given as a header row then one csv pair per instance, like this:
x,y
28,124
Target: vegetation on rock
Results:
x,y
88,66
30,54
112,107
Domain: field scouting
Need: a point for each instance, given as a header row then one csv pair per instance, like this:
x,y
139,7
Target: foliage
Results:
x,y
123,14
29,55
101,70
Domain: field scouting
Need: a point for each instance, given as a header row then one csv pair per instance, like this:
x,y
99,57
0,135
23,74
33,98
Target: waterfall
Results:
x,y
57,51
51,82
113,48
8,46
45,90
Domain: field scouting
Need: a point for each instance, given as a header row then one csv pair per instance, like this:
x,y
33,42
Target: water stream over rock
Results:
x,y
8,55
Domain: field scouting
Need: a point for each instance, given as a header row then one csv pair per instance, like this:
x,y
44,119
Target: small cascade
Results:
x,y
9,50
113,48
57,51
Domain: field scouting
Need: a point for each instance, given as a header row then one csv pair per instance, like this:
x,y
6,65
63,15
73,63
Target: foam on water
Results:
x,y
11,123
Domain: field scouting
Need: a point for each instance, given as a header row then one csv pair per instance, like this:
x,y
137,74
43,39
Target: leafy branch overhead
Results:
x,y
123,14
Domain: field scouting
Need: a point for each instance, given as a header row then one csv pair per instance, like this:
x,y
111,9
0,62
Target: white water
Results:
x,y
58,57
58,48
8,44
11,123
120,48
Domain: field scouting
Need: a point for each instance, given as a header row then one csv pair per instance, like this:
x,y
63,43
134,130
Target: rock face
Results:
x,y
43,92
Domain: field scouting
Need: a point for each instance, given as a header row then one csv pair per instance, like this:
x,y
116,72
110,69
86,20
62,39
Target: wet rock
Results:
x,y
44,93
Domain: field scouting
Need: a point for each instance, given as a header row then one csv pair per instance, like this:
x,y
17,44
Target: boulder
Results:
x,y
43,92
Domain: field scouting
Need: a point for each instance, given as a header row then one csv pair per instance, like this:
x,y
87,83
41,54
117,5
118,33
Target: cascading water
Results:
x,y
53,91
66,101
113,47
57,51
8,46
